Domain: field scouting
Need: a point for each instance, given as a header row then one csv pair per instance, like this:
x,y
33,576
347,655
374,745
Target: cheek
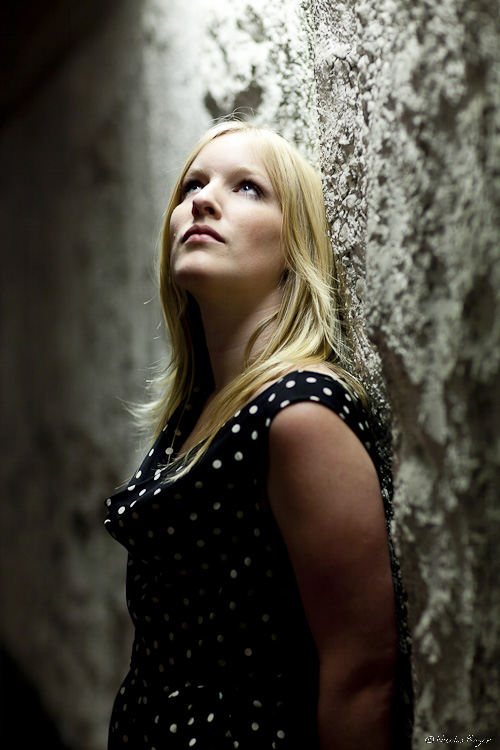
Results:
x,y
173,229
272,242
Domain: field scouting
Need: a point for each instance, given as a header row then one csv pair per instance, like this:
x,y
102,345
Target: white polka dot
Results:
x,y
238,456
327,391
173,727
169,451
234,574
151,452
157,492
157,475
284,403
193,516
216,506
348,397
311,380
198,485
108,502
236,428
122,509
247,561
346,409
255,435
257,704
271,397
157,719
210,717
368,445
131,487
142,492
253,409
265,618
217,464
248,652
361,426
313,398
170,530
255,726
290,384
268,421
281,734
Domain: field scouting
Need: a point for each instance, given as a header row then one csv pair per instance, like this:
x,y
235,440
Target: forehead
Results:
x,y
230,151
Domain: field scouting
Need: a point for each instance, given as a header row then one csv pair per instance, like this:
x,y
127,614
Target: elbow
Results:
x,y
355,708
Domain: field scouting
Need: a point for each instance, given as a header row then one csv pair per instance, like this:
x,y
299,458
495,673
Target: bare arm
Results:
x,y
324,492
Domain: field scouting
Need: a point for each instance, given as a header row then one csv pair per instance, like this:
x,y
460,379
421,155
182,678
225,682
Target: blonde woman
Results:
x,y
260,580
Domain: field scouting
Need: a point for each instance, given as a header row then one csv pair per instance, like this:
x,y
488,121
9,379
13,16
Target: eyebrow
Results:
x,y
239,171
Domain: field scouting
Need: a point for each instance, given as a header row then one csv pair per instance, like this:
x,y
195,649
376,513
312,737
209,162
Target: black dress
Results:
x,y
222,656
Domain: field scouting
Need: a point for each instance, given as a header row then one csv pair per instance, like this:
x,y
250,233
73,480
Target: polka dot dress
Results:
x,y
222,656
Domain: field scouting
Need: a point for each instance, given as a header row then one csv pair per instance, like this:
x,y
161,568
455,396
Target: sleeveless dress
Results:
x,y
223,657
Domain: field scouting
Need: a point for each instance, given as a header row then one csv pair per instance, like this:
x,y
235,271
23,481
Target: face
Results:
x,y
225,234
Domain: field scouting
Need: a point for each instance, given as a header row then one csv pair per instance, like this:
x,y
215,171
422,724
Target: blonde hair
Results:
x,y
306,330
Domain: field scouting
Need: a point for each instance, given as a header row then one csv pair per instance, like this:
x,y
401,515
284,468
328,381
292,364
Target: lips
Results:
x,y
202,229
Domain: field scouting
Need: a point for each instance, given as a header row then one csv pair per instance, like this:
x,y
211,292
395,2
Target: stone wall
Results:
x,y
86,165
397,101
408,97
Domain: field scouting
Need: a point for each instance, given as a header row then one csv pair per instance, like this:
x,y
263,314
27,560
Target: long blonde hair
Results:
x,y
308,327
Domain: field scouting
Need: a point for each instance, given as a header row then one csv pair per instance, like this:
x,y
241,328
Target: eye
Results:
x,y
190,186
248,187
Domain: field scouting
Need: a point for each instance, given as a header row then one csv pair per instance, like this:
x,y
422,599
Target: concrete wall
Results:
x,y
398,102
85,169
408,97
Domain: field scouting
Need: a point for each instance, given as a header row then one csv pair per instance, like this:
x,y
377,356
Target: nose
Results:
x,y
204,202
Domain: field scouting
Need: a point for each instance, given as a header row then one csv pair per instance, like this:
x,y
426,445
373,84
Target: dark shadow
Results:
x,y
23,721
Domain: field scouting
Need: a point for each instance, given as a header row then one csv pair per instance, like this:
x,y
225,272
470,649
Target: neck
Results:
x,y
227,334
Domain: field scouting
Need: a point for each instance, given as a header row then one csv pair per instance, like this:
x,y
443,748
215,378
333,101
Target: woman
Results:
x,y
259,574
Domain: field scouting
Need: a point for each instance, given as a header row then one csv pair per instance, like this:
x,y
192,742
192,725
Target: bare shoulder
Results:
x,y
316,434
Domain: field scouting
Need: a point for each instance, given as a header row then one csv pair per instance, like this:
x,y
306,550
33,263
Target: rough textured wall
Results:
x,y
84,177
408,97
258,61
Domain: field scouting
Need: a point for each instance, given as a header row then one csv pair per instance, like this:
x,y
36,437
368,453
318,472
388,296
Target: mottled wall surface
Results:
x,y
85,172
408,96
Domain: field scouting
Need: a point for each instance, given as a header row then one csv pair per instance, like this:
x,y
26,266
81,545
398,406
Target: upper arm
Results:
x,y
324,492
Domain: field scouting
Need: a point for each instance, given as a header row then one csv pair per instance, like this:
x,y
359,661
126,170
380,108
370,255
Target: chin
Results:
x,y
193,278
